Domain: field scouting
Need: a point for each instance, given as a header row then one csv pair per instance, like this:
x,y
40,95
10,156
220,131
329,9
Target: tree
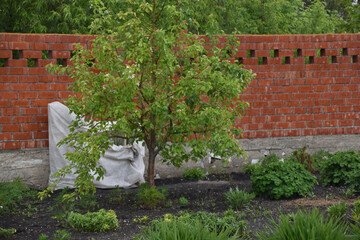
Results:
x,y
150,80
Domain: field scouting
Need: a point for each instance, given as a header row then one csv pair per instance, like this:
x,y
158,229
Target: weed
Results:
x,y
337,211
142,220
88,202
43,237
183,201
238,199
302,157
7,233
101,221
116,196
15,195
62,235
356,212
151,198
193,173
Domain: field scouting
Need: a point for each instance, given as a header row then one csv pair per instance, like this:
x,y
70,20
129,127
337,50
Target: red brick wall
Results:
x,y
314,93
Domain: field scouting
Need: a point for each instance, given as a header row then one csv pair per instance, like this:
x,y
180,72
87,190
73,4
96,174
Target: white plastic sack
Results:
x,y
124,165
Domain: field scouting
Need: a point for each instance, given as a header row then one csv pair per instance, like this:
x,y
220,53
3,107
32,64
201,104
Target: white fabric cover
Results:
x,y
124,165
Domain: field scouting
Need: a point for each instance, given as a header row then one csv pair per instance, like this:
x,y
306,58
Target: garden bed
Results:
x,y
44,217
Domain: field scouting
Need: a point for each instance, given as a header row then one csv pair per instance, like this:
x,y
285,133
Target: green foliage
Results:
x,y
183,201
304,226
351,18
208,225
337,211
269,159
62,235
319,158
150,197
302,157
356,212
249,168
13,194
169,88
282,179
341,169
238,199
181,230
193,173
7,233
43,237
116,196
101,221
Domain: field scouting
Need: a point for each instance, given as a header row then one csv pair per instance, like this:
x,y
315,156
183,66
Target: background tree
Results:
x,y
150,80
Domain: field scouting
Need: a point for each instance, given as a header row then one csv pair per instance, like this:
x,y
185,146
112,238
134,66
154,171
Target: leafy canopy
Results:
x,y
149,79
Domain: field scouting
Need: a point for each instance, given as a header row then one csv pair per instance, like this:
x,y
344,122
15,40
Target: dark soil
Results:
x,y
203,195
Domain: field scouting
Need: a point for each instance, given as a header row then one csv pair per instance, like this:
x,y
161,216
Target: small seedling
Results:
x,y
238,199
183,201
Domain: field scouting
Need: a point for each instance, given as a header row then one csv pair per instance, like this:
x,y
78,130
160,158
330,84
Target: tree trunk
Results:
x,y
151,167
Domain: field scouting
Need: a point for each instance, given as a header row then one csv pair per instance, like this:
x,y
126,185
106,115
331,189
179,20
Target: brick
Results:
x,y
39,46
307,45
22,136
10,145
259,104
336,116
60,54
28,78
283,125
41,135
298,67
28,95
325,131
31,144
337,88
45,143
331,109
5,54
38,71
39,103
4,87
65,94
32,54
11,128
352,87
5,136
30,111
250,112
298,96
339,131
19,87
291,103
50,38
346,108
327,80
58,46
283,110
276,104
343,59
47,95
343,66
31,127
322,45
17,62
338,101
298,125
4,104
306,117
18,71
308,132
18,45
309,52
20,103
9,95
291,45
347,122
261,134
4,46
6,119
293,132
23,119
268,126
286,53
11,37
268,111
277,133
10,111
43,119
305,88
283,96
300,110
282,82
39,87
344,95
322,102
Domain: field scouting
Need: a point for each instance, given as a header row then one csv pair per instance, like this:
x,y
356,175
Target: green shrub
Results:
x,y
282,179
6,233
249,168
101,221
150,198
12,194
341,168
43,237
183,201
237,199
269,159
302,157
193,173
337,211
304,226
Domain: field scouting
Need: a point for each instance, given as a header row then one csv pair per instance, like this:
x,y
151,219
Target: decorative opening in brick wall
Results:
x,y
72,53
276,53
332,59
321,52
3,62
61,61
262,60
45,54
299,52
309,59
355,59
32,62
344,52
16,54
285,60
250,53
239,60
